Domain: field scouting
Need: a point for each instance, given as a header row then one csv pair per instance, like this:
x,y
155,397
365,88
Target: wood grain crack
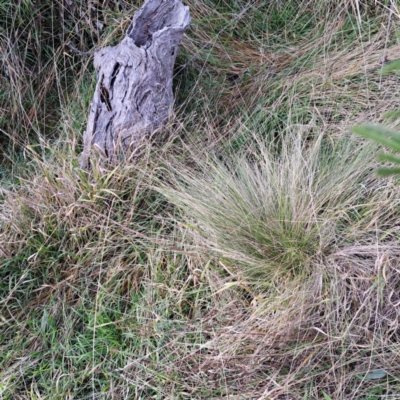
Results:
x,y
133,95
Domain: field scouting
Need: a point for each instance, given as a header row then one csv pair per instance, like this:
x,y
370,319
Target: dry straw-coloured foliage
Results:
x,y
253,254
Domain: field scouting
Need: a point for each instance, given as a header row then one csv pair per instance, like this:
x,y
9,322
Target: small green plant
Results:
x,y
387,137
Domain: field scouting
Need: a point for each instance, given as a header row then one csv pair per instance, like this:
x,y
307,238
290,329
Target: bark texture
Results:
x,y
133,96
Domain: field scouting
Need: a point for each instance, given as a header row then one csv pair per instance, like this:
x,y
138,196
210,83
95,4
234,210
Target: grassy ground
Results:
x,y
252,255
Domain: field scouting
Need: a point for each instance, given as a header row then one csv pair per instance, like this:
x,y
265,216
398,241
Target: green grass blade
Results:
x,y
326,397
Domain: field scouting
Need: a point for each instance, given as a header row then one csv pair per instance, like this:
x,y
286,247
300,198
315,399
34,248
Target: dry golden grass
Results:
x,y
253,255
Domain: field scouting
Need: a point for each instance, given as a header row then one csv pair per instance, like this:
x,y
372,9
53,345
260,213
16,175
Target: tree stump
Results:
x,y
133,95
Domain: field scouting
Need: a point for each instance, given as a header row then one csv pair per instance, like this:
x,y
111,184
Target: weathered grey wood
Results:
x,y
133,96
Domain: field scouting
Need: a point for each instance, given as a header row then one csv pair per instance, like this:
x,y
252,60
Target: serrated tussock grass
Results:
x,y
280,210
252,253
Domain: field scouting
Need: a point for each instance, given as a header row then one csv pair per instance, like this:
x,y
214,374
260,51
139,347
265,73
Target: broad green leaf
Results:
x,y
388,171
376,374
388,157
387,137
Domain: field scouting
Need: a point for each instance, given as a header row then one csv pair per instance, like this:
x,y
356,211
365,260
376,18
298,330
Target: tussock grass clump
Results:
x,y
279,209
